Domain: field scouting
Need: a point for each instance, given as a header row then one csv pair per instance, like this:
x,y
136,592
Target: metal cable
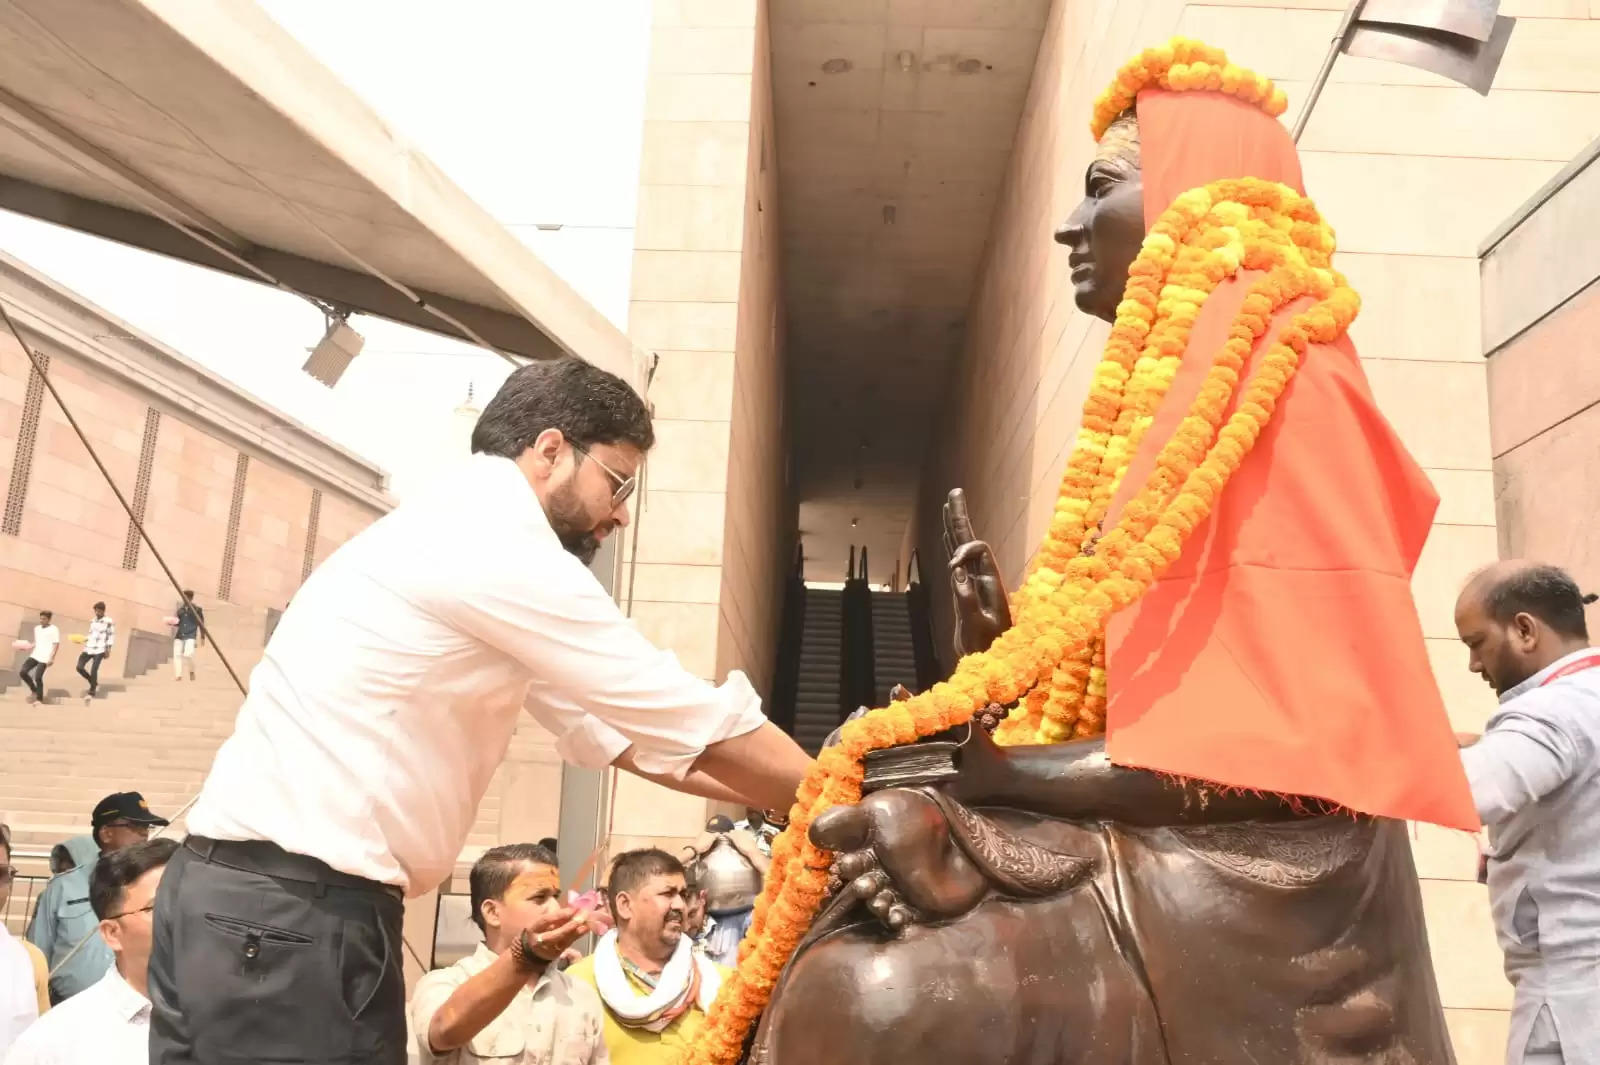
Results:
x,y
38,368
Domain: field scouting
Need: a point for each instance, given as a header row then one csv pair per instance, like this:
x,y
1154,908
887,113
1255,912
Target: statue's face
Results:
x,y
1105,230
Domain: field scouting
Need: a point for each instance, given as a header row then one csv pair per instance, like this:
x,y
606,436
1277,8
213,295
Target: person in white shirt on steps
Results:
x,y
46,638
387,695
109,1023
96,646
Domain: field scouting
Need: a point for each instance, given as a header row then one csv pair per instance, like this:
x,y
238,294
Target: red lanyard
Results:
x,y
1577,665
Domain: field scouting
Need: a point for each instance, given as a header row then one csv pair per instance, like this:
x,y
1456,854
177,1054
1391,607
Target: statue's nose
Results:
x,y
843,828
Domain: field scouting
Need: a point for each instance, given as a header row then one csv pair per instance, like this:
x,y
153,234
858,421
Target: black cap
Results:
x,y
124,806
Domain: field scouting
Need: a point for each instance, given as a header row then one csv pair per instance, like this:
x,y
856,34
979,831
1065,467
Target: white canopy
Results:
x,y
200,129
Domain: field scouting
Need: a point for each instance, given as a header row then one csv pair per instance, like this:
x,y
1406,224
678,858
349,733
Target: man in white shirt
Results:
x,y
1535,777
96,646
46,638
386,697
108,1023
503,1003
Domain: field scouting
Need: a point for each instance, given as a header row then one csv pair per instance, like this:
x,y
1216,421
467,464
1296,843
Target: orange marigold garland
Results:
x,y
1052,659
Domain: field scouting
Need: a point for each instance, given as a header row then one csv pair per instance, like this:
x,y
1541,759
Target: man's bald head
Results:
x,y
1516,617
1517,586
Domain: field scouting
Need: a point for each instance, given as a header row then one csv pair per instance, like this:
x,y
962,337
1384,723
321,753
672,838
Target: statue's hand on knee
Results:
x,y
896,857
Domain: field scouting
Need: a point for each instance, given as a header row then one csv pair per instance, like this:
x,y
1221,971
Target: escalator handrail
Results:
x,y
913,564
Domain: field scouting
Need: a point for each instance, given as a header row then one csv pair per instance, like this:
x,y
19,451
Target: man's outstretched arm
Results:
x,y
762,769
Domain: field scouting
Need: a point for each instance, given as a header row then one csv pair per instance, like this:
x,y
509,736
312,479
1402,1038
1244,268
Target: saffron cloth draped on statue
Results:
x,y
1282,651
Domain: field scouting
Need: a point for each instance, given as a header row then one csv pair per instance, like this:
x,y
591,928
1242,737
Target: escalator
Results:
x,y
816,696
844,648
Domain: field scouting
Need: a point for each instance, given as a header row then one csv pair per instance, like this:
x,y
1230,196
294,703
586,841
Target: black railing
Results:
x,y
919,604
786,669
856,680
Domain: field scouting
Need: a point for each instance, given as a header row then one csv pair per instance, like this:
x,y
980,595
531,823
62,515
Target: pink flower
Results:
x,y
590,902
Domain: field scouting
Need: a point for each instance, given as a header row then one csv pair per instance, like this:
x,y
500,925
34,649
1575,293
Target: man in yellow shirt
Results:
x,y
655,986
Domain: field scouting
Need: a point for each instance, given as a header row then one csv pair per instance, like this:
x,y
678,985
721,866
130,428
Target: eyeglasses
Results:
x,y
8,873
148,907
625,485
131,826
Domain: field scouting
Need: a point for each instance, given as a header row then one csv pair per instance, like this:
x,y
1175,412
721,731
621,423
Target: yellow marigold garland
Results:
x,y
1052,659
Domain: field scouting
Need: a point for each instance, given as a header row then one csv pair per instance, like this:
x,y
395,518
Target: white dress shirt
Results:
x,y
1535,776
102,635
390,689
558,1021
107,1023
46,638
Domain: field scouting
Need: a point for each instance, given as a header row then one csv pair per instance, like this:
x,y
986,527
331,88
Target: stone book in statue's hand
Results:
x,y
910,766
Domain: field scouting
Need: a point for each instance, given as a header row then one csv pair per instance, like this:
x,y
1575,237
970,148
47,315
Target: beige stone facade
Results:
x,y
240,501
715,523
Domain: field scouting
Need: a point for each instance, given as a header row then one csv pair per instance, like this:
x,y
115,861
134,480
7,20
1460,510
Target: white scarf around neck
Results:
x,y
623,1000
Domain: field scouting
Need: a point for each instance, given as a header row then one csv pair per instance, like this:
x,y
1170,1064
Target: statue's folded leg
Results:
x,y
1031,969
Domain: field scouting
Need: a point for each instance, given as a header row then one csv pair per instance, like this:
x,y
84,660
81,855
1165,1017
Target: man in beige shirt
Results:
x,y
507,1001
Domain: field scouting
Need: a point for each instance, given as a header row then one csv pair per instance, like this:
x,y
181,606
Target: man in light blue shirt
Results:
x,y
63,917
1535,779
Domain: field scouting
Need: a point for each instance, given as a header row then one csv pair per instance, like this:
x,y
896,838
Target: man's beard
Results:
x,y
572,526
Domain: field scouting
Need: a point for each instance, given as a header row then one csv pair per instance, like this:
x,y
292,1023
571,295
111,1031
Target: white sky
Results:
x,y
534,107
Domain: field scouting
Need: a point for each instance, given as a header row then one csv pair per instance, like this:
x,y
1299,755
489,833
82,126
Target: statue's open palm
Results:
x,y
981,608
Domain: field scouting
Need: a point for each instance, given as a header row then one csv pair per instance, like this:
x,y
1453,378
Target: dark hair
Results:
x,y
633,868
588,405
46,614
549,843
493,873
99,606
1547,592
720,823
115,871
188,593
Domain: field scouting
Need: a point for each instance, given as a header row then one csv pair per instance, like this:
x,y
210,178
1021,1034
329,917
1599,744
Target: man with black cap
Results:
x,y
64,918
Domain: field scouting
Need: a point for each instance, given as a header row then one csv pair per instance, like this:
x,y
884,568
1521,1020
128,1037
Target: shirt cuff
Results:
x,y
734,711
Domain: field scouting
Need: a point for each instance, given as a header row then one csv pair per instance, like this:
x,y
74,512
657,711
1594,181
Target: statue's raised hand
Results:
x,y
982,611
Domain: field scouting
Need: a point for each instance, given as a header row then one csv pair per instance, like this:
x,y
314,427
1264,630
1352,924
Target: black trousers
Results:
x,y
92,674
265,956
32,674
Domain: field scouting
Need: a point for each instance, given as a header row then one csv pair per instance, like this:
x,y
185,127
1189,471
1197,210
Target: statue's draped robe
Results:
x,y
1282,651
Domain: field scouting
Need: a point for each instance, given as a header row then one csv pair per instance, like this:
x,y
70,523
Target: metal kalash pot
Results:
x,y
730,882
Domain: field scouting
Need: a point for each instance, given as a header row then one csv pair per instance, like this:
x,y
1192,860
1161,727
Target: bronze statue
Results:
x,y
1043,904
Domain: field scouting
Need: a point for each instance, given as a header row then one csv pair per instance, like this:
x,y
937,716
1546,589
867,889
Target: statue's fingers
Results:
x,y
898,917
960,520
950,541
869,885
881,904
974,556
899,693
853,865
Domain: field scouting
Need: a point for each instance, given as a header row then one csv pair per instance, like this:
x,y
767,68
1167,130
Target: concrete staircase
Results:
x,y
150,734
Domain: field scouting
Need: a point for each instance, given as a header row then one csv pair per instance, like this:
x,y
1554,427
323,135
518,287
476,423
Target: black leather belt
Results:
x,y
269,859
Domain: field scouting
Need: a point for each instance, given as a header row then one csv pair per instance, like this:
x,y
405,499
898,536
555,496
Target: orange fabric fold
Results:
x,y
1282,652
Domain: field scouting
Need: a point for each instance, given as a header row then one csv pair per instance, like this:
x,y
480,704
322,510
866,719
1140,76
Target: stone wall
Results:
x,y
1413,172
714,521
1541,334
227,500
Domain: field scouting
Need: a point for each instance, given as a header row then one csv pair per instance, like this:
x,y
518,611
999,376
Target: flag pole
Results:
x,y
1335,46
